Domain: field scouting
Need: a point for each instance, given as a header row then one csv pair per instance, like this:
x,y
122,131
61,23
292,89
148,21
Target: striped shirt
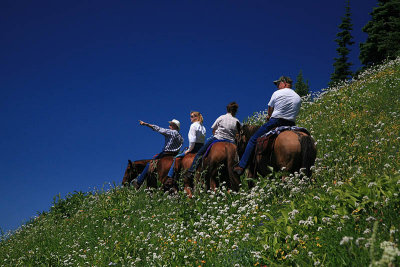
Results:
x,y
225,127
173,139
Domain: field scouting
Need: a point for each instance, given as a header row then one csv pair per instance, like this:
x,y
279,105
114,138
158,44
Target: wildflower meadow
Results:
x,y
347,213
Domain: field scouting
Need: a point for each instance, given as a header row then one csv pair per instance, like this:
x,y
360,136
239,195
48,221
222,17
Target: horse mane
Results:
x,y
249,130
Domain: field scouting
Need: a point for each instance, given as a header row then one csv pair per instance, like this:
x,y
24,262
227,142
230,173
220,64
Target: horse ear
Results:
x,y
129,162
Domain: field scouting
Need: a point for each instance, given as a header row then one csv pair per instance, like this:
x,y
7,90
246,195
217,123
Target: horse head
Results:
x,y
244,133
128,176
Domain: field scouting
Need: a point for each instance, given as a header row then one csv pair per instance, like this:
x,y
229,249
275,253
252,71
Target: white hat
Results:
x,y
176,122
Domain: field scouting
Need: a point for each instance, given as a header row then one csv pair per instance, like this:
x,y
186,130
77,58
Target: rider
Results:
x,y
283,109
173,142
224,129
196,135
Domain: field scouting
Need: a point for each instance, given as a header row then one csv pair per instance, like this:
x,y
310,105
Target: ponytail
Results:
x,y
199,116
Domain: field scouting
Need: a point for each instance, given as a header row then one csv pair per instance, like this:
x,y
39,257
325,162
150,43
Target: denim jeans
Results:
x,y
195,149
272,123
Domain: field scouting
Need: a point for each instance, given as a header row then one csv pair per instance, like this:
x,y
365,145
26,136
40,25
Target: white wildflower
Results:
x,y
345,240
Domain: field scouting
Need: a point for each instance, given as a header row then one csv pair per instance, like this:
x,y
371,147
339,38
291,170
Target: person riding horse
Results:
x,y
196,136
283,108
173,143
224,129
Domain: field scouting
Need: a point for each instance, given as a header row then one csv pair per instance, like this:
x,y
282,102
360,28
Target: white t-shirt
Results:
x,y
197,133
286,103
225,127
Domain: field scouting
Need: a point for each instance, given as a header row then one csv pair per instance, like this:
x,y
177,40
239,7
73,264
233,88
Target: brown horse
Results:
x,y
217,166
290,150
133,170
182,164
158,170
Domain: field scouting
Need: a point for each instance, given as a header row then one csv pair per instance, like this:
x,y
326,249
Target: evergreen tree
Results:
x,y
344,40
383,33
300,86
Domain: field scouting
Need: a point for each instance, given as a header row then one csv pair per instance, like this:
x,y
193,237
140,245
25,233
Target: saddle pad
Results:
x,y
265,144
280,129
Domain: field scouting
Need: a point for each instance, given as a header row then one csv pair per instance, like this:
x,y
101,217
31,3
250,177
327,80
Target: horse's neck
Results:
x,y
251,130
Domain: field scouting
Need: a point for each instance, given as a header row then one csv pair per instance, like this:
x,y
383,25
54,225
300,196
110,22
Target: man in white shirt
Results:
x,y
283,109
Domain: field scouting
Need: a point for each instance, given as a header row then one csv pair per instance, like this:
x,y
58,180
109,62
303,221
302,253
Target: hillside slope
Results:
x,y
347,213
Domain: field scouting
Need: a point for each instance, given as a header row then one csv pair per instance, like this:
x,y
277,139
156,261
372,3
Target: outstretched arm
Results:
x,y
156,128
146,124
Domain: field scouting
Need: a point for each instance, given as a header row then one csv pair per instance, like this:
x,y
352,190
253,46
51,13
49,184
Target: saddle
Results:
x,y
265,146
153,162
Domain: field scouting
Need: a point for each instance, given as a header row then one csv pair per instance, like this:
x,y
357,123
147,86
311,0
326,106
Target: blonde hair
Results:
x,y
198,115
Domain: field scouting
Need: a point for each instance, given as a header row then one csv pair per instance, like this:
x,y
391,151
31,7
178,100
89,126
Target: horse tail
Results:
x,y
232,160
308,153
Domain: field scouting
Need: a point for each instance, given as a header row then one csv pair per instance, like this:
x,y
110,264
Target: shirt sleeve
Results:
x,y
162,131
271,102
191,146
192,133
215,125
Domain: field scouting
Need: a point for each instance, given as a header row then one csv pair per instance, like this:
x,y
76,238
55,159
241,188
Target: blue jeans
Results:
x,y
272,123
200,154
142,176
195,149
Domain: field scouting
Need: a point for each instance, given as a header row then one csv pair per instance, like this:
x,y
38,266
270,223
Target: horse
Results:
x,y
289,151
158,170
133,170
182,164
219,162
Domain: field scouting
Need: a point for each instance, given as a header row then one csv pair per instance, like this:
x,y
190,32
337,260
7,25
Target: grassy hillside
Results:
x,y
347,213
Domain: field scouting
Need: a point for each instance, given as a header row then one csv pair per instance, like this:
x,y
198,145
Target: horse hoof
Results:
x,y
238,170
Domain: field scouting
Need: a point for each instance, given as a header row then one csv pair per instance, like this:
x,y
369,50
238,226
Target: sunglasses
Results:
x,y
193,116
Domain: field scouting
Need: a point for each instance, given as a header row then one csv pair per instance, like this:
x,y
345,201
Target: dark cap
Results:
x,y
284,79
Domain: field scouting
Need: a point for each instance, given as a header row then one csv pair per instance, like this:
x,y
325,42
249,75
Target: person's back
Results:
x,y
225,127
286,103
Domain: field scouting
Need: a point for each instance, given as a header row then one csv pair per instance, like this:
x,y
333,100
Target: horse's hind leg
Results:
x,y
211,177
233,179
251,173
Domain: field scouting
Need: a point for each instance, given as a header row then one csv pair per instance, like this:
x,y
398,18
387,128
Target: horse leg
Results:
x,y
234,179
251,173
188,184
209,173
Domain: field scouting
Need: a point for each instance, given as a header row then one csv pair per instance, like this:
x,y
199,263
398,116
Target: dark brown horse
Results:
x,y
133,170
158,170
216,167
289,151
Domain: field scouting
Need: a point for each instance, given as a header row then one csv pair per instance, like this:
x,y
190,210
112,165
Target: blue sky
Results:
x,y
76,76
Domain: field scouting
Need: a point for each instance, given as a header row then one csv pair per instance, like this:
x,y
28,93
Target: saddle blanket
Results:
x,y
278,130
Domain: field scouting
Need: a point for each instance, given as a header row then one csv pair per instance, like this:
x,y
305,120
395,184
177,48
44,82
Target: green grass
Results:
x,y
346,214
